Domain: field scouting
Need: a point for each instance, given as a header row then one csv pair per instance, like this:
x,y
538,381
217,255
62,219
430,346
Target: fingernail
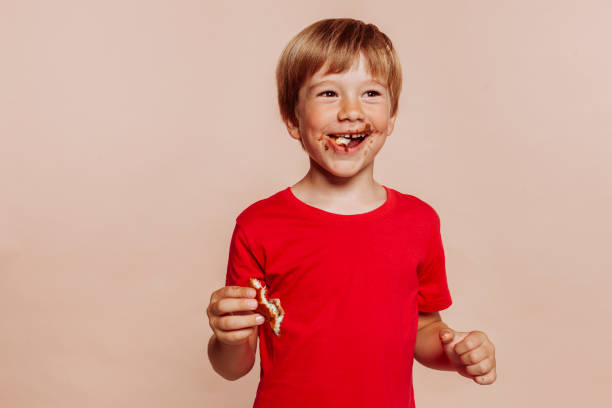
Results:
x,y
259,319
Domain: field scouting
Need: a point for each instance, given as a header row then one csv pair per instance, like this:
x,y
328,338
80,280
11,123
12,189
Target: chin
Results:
x,y
345,173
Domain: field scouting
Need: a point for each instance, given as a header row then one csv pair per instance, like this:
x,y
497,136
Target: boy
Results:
x,y
358,266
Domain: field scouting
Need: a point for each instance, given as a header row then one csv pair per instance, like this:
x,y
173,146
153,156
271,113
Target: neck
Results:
x,y
320,185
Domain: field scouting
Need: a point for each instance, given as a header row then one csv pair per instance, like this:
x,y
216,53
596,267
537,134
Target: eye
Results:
x,y
327,93
372,93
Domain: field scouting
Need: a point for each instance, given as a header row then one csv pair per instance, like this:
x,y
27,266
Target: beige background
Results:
x,y
134,132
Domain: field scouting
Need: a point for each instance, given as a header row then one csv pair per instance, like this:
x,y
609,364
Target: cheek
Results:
x,y
323,142
371,147
317,117
380,119
368,148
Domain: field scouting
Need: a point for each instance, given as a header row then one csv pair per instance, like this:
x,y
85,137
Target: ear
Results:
x,y
391,124
293,129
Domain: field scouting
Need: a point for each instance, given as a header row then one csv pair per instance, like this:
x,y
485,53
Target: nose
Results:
x,y
350,108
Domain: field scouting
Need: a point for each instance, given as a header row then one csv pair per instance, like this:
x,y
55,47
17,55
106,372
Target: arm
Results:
x,y
428,348
232,347
232,311
232,362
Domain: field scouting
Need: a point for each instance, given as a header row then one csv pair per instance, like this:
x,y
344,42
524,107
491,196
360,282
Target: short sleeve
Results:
x,y
433,294
243,262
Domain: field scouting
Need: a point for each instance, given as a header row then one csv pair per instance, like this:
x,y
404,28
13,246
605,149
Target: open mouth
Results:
x,y
349,139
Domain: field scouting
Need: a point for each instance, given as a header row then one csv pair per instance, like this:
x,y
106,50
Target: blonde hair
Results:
x,y
338,42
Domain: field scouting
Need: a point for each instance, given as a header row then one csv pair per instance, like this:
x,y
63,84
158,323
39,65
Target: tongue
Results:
x,y
353,142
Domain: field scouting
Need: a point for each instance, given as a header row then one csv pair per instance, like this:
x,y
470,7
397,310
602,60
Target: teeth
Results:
x,y
346,138
342,140
351,136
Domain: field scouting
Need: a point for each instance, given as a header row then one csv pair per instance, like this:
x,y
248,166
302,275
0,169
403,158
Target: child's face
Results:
x,y
349,102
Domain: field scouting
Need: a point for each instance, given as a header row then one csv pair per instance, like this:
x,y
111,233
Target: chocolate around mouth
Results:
x,y
346,143
367,131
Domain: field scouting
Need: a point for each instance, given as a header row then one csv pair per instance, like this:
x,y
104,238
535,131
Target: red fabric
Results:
x,y
351,287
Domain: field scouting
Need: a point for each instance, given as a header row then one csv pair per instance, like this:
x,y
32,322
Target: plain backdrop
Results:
x,y
134,132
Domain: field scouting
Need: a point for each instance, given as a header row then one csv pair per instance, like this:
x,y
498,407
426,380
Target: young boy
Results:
x,y
358,266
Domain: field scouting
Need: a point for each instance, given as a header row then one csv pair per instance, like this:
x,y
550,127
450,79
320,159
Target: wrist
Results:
x,y
231,361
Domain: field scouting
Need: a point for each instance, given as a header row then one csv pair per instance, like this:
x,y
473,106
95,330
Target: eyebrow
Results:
x,y
321,83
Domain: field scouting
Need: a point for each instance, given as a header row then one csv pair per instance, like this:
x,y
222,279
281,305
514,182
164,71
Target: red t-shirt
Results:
x,y
351,287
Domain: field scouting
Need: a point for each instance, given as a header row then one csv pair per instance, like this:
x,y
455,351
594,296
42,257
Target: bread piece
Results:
x,y
271,309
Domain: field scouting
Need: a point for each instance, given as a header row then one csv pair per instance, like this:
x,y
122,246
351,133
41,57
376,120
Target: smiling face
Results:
x,y
347,103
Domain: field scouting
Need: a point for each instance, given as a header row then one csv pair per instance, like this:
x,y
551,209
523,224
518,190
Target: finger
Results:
x,y
486,379
233,305
235,337
232,292
446,336
238,291
470,342
475,356
229,323
480,368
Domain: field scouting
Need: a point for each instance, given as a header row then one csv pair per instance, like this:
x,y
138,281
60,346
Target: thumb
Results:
x,y
449,339
447,335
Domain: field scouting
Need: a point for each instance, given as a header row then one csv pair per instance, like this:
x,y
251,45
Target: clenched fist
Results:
x,y
472,354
